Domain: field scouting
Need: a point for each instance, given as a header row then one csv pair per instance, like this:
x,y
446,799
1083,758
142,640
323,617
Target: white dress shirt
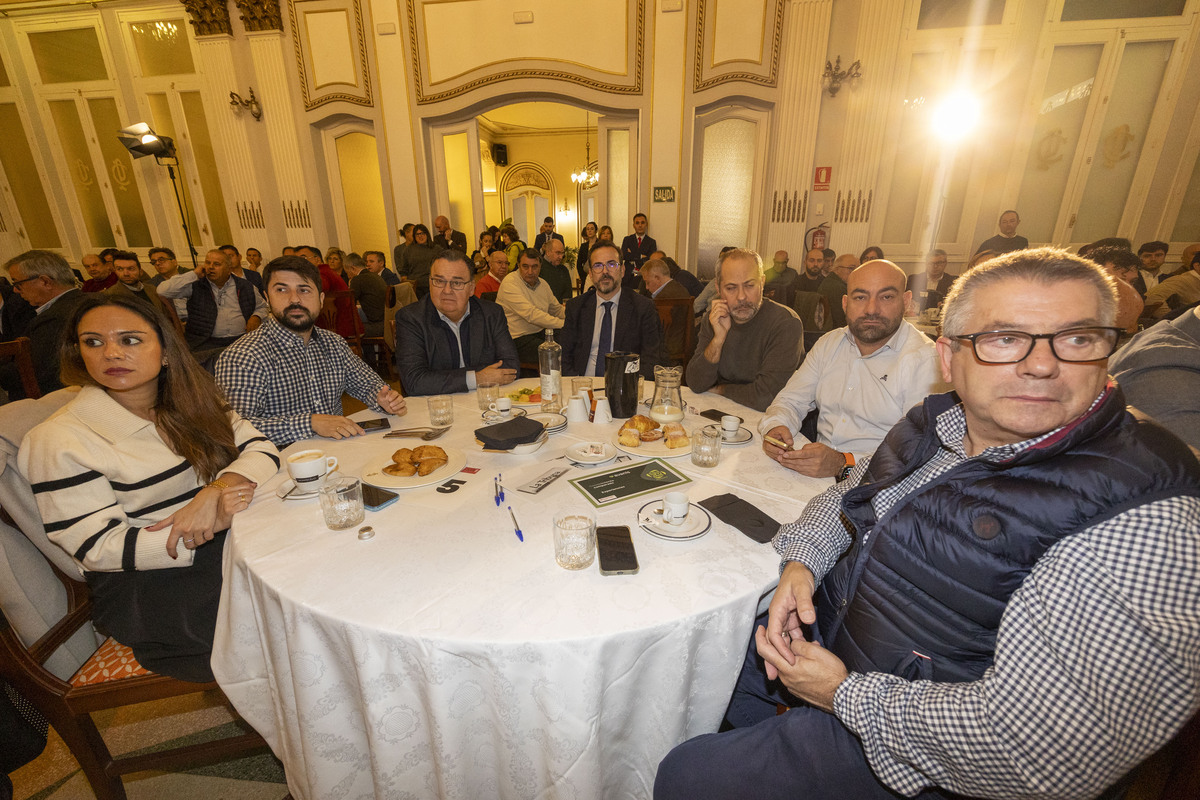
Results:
x,y
860,397
593,354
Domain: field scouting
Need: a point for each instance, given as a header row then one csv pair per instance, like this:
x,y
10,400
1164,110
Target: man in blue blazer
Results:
x,y
449,341
609,317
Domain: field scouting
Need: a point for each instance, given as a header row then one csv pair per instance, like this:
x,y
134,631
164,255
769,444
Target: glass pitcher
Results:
x,y
667,403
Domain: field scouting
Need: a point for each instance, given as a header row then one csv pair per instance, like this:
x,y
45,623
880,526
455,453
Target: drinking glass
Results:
x,y
342,503
706,448
441,410
486,393
578,384
574,537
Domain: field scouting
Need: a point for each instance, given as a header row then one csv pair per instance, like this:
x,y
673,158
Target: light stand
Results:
x,y
140,141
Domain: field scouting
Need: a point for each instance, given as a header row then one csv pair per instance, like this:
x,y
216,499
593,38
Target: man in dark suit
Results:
x,y
131,279
446,238
636,250
16,314
449,341
661,286
546,234
45,280
929,288
609,317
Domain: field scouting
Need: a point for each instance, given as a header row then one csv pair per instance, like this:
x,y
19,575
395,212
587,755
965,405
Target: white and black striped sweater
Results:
x,y
102,474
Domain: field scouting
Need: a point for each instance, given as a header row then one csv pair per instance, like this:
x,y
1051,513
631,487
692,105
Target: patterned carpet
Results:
x,y
55,775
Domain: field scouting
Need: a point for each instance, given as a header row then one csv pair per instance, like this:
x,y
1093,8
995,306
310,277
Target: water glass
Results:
x,y
342,503
574,537
486,393
441,410
706,448
579,384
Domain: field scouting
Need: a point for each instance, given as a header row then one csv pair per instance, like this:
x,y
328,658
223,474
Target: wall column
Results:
x,y
671,75
797,113
867,105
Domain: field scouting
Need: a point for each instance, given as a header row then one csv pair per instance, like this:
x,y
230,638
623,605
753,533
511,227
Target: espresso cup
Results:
x,y
577,410
308,468
729,426
675,509
502,406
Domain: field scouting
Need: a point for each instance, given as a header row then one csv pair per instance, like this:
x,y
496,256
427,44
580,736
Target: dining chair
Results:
x,y
331,311
49,651
21,352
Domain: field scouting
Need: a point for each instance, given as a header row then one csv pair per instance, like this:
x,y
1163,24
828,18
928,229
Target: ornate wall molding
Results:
x,y
528,69
766,73
260,15
316,96
209,17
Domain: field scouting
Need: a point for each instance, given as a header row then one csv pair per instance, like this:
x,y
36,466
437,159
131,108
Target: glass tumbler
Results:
x,y
441,410
706,447
574,537
486,393
342,503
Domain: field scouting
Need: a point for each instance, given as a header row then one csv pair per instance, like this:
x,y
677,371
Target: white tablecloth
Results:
x,y
444,658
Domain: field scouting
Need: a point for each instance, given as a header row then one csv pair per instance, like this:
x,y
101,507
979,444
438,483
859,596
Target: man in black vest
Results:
x,y
1002,600
220,305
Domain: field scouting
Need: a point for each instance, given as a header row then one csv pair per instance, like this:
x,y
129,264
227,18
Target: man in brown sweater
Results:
x,y
748,346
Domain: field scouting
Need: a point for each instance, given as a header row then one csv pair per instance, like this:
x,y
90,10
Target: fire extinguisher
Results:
x,y
817,238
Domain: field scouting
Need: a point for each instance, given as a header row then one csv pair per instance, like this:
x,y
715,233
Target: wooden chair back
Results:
x,y
21,352
331,311
676,316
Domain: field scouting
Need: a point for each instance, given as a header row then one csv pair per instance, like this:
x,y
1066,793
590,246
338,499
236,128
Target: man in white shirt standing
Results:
x,y
863,378
529,305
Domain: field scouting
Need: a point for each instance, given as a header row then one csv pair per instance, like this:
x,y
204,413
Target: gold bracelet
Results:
x,y
218,483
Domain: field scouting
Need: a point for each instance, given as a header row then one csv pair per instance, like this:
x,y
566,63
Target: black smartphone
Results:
x,y
375,498
615,546
716,414
373,425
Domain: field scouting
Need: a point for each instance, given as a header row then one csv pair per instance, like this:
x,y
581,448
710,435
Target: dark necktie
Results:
x,y
605,346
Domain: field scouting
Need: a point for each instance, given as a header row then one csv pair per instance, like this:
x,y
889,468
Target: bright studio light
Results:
x,y
955,117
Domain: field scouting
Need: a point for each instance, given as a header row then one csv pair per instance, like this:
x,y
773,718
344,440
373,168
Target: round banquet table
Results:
x,y
445,658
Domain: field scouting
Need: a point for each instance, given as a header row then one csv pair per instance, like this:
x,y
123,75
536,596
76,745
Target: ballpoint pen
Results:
x,y
496,489
516,525
500,482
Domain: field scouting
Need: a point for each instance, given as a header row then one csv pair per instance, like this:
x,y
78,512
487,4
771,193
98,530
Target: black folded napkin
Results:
x,y
735,511
507,435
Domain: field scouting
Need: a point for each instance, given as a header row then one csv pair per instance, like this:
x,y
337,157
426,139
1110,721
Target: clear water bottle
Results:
x,y
550,369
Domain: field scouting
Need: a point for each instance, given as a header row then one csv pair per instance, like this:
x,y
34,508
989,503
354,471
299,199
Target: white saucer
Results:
x,y
578,453
495,417
284,492
743,436
698,523
553,422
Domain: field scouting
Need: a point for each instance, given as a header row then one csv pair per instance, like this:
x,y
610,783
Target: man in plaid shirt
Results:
x,y
1003,601
288,376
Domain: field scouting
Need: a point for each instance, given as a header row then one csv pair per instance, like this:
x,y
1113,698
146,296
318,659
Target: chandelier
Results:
x,y
585,177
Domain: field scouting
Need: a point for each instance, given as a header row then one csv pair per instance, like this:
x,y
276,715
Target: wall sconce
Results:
x,y
834,75
252,104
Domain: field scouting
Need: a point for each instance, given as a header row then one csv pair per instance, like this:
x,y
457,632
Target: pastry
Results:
x,y
651,436
676,436
641,423
403,455
427,451
403,470
628,437
429,466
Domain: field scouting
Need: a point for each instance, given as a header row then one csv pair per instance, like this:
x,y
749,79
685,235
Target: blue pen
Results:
x,y
500,481
496,489
516,526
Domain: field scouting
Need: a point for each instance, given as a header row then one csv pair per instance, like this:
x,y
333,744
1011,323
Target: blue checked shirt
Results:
x,y
277,382
1097,660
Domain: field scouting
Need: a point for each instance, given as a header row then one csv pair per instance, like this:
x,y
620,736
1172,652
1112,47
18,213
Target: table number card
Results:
x,y
629,480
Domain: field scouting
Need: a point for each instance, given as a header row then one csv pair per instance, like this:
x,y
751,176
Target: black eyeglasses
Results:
x,y
442,283
1072,346
15,284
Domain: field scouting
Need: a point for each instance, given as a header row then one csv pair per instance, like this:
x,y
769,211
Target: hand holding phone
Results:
x,y
374,425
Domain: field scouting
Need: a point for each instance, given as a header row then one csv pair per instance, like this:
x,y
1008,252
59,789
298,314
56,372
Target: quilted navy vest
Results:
x,y
920,592
202,308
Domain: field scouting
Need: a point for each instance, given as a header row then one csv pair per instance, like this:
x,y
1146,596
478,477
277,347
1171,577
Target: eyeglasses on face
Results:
x,y
159,260
603,265
15,284
1072,346
441,283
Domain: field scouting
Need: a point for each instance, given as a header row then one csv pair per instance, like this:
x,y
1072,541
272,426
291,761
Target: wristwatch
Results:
x,y
845,473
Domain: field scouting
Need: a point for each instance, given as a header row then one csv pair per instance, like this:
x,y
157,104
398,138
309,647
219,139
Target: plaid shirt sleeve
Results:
x,y
241,375
819,537
1097,665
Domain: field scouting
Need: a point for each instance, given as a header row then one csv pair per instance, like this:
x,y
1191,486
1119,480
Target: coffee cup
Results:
x,y
502,406
729,426
675,509
603,413
308,468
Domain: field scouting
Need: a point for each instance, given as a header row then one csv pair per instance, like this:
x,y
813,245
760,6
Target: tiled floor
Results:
x,y
55,775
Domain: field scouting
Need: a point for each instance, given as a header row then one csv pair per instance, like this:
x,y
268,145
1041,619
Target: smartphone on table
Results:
x,y
615,546
373,425
715,415
375,498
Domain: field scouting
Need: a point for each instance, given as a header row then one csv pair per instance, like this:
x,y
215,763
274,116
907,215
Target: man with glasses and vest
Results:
x,y
609,317
1000,602
221,307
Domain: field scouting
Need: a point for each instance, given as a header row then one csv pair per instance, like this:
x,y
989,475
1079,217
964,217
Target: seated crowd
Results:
x,y
990,489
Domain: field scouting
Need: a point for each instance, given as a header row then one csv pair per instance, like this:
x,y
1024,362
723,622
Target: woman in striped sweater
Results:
x,y
139,477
